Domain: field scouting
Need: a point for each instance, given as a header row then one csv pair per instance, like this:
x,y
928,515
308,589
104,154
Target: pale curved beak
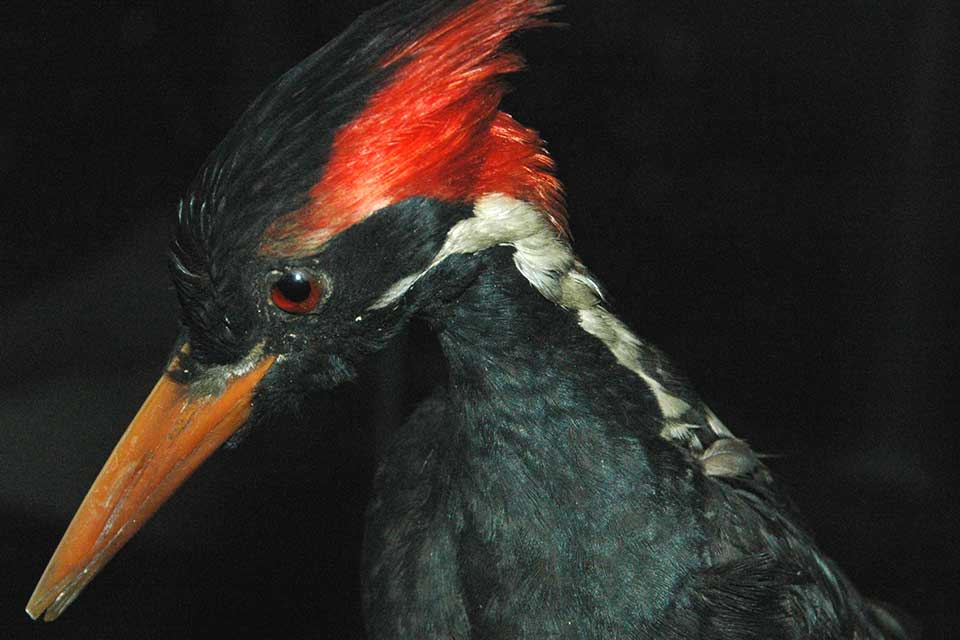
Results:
x,y
176,429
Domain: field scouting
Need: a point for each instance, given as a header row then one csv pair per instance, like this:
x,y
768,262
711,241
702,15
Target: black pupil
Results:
x,y
294,286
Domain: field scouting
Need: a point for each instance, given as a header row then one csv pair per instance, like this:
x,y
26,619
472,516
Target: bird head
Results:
x,y
337,207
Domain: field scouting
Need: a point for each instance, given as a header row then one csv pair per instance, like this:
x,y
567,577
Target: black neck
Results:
x,y
512,352
543,450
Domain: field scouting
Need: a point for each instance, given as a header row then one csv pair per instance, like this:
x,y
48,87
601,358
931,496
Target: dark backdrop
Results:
x,y
768,189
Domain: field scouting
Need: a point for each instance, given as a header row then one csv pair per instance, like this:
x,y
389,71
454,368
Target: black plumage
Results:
x,y
534,497
566,481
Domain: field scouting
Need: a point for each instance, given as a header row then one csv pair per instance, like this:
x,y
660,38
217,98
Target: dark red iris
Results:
x,y
296,292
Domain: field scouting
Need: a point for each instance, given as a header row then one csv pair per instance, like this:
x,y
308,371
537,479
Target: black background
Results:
x,y
769,190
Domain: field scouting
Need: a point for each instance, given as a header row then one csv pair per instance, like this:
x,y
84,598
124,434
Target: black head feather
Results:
x,y
266,164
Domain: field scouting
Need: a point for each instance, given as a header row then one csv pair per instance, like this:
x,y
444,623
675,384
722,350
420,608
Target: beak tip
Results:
x,y
33,609
47,609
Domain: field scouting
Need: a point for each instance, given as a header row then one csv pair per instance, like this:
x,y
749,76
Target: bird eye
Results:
x,y
296,292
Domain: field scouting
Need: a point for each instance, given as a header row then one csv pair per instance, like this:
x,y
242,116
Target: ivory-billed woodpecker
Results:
x,y
566,481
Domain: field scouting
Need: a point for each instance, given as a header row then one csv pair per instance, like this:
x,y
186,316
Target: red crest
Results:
x,y
435,130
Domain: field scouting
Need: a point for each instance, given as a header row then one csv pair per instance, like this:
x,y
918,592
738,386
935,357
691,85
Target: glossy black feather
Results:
x,y
535,495
266,164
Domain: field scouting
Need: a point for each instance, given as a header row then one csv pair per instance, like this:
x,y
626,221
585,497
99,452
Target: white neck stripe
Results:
x,y
548,262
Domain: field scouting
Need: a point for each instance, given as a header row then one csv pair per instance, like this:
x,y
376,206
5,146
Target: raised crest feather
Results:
x,y
433,129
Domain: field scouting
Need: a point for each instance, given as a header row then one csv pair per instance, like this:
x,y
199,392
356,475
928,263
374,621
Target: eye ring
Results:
x,y
296,291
